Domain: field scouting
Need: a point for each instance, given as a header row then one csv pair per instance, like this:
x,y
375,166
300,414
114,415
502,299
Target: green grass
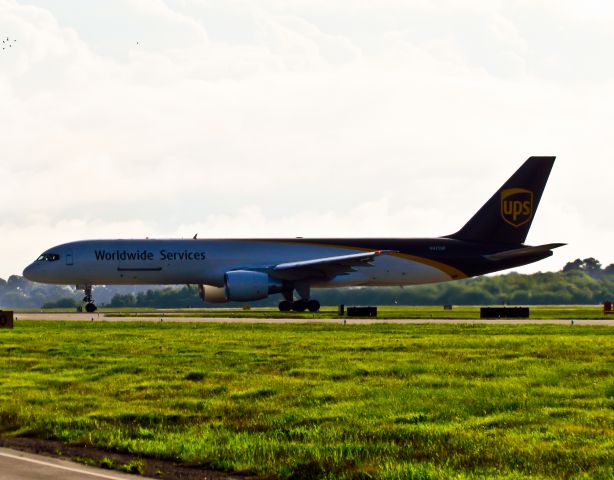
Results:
x,y
321,401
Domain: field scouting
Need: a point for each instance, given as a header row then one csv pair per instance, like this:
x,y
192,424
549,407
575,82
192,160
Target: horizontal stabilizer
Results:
x,y
522,252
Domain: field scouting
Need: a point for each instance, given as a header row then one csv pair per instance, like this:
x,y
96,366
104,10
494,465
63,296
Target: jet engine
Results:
x,y
241,285
212,294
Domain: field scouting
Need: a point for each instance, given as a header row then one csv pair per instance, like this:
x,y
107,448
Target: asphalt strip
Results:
x,y
11,470
93,317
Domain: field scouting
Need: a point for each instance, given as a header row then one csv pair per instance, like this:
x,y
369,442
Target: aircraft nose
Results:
x,y
30,272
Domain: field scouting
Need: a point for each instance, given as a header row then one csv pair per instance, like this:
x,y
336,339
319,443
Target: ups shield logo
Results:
x,y
516,206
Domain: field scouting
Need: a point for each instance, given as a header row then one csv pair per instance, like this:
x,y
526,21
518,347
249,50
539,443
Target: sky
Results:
x,y
270,118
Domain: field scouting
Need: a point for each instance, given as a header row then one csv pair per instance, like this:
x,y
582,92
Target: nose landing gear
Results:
x,y
90,307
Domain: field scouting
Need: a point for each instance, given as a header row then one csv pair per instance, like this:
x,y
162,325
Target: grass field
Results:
x,y
321,401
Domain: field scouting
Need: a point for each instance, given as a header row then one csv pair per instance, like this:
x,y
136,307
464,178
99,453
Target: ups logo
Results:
x,y
516,206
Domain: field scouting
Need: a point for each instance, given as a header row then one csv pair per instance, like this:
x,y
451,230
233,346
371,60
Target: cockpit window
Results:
x,y
48,257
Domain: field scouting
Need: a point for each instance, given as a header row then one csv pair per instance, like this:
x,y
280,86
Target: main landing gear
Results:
x,y
90,307
299,305
304,303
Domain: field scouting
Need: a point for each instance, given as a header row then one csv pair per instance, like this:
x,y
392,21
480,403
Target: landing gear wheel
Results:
x,y
299,305
88,299
313,306
285,306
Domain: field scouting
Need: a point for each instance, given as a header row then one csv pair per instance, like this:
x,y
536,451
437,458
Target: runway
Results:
x,y
17,465
104,317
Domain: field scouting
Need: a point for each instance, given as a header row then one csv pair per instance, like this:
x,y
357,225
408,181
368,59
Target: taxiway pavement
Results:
x,y
18,465
108,317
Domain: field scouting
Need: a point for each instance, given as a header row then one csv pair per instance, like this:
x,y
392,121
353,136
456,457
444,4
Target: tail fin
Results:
x,y
507,216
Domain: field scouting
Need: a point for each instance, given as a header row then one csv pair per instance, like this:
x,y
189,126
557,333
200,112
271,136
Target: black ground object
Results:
x,y
6,319
504,312
362,311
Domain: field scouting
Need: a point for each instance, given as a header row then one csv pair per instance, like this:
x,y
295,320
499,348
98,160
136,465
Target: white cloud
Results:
x,y
298,118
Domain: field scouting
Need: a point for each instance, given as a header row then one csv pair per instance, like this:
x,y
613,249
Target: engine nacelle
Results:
x,y
212,294
245,285
240,286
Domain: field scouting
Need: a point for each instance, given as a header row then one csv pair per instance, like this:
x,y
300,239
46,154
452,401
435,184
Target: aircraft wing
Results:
x,y
324,268
522,252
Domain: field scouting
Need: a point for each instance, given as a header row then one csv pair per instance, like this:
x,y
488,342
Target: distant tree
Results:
x,y
609,270
17,282
15,299
577,264
122,300
592,265
62,303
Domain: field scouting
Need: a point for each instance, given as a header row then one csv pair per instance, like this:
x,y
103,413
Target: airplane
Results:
x,y
228,270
